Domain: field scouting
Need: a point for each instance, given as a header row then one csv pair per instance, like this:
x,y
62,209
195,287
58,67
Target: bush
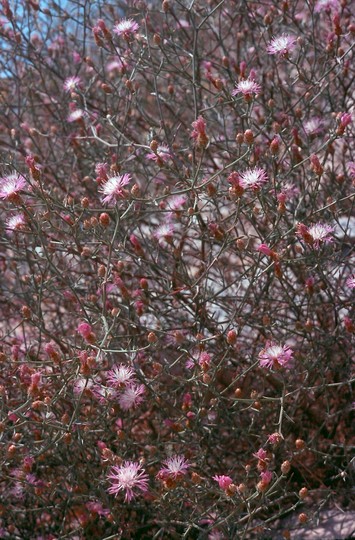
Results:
x,y
177,292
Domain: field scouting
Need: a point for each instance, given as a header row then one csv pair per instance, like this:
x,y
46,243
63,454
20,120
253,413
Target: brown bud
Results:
x,y
303,493
300,444
248,136
303,518
152,337
285,467
104,219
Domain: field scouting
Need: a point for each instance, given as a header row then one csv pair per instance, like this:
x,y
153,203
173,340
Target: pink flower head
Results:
x,y
316,235
248,87
113,188
199,132
345,119
132,396
253,178
281,45
162,154
11,186
164,233
127,477
126,28
266,477
275,355
75,116
327,5
313,126
71,84
223,481
261,454
16,223
175,468
120,375
265,250
84,329
350,282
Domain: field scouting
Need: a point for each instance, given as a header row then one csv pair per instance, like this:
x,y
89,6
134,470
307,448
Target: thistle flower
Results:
x,y
127,477
126,28
164,233
350,282
161,155
327,5
113,188
71,84
316,235
253,178
199,132
223,481
119,375
281,45
248,87
131,397
11,186
313,126
275,356
16,222
75,116
175,468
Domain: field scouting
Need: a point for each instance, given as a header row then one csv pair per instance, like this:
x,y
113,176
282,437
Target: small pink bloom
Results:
x,y
350,282
16,223
261,454
127,477
316,235
84,329
126,28
345,119
11,186
120,375
199,132
162,154
113,188
75,116
71,84
327,5
253,178
313,126
266,477
175,468
131,397
275,355
164,233
247,88
281,45
223,481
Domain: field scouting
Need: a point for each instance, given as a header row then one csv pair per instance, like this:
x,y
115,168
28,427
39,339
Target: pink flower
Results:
x,y
84,329
281,45
71,84
126,28
131,397
162,154
175,467
316,235
275,355
327,5
266,477
199,132
113,188
75,116
223,481
127,477
11,186
120,375
313,126
261,454
164,234
253,178
16,223
350,282
247,88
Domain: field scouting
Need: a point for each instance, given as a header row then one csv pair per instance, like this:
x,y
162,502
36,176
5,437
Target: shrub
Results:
x,y
177,291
